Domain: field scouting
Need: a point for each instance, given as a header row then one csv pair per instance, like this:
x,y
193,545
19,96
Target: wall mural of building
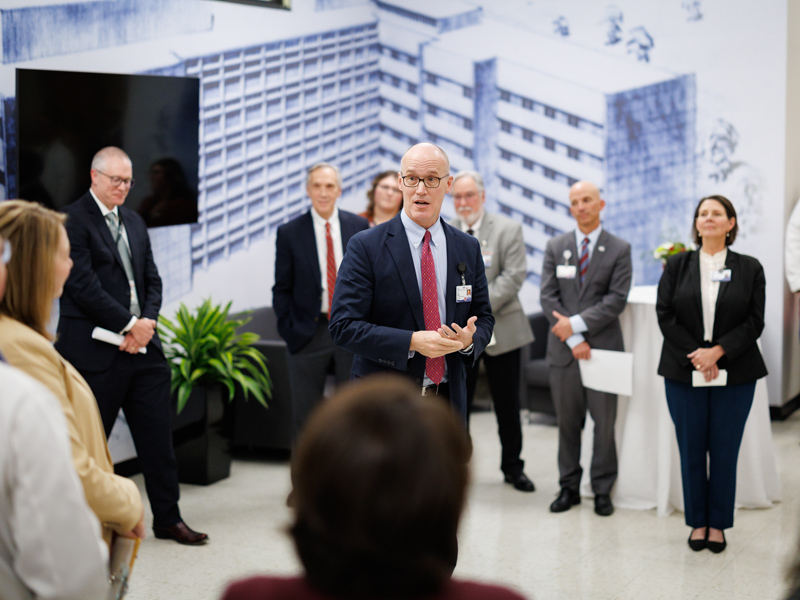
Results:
x,y
535,96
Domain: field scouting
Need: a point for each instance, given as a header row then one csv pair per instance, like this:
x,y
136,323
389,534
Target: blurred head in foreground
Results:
x,y
380,477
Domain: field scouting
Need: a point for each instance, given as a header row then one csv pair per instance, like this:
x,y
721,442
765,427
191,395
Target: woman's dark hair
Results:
x,y
371,191
729,210
380,477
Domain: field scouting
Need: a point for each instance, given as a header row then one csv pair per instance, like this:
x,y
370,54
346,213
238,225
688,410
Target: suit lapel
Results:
x,y
694,279
573,256
455,255
97,219
598,255
731,262
309,245
399,250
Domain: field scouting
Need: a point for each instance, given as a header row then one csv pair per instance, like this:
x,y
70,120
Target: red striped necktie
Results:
x,y
434,367
583,262
331,267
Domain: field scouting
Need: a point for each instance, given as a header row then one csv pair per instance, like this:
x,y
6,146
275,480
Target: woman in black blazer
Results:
x,y
711,312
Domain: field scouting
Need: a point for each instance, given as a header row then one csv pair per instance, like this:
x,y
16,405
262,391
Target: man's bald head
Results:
x,y
107,154
415,149
585,205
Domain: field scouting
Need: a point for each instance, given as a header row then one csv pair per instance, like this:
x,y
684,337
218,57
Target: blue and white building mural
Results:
x,y
652,100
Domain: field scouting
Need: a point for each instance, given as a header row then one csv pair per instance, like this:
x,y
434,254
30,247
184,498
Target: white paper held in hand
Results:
x,y
699,380
608,371
109,337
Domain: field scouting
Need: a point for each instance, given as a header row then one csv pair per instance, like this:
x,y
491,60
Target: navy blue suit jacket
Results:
x,y
297,293
378,304
97,293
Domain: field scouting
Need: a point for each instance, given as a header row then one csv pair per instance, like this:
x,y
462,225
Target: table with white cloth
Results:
x,y
647,449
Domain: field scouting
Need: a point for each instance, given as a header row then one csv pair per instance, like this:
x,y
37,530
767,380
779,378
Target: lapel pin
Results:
x,y
601,248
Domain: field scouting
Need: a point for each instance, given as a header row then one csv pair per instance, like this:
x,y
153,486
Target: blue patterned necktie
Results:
x,y
583,262
125,255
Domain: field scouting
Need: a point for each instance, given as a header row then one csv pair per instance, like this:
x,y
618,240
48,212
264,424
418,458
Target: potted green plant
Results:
x,y
207,358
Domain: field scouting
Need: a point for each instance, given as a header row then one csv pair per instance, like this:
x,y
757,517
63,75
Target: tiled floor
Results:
x,y
506,536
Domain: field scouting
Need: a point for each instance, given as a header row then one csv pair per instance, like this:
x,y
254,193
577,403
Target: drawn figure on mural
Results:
x,y
640,43
613,20
722,143
738,178
561,26
692,8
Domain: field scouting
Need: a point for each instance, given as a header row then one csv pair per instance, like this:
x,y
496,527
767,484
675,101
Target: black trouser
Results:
x,y
140,385
503,373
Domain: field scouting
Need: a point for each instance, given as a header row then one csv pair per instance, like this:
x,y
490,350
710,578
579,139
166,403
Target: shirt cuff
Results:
x,y
129,326
578,324
574,340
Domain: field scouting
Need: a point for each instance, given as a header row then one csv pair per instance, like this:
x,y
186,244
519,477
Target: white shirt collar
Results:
x,y
475,227
320,222
104,210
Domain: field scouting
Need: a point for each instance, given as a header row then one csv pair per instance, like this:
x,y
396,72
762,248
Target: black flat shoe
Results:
x,y
717,547
698,545
520,482
567,498
603,505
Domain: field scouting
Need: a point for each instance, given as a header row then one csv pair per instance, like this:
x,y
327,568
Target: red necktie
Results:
x,y
434,367
331,267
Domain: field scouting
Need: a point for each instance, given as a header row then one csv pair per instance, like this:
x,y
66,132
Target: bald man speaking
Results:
x,y
586,277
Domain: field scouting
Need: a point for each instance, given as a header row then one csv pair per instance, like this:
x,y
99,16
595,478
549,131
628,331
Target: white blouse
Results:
x,y
709,290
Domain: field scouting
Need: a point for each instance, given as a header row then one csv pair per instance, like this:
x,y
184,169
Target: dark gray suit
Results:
x,y
599,301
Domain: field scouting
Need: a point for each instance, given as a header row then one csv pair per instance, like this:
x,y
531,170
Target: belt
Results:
x,y
442,389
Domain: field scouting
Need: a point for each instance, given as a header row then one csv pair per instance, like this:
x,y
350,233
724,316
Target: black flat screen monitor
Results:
x,y
65,117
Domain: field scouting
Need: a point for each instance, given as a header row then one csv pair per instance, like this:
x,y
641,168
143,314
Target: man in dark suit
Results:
x,y
114,285
586,277
402,282
308,253
503,251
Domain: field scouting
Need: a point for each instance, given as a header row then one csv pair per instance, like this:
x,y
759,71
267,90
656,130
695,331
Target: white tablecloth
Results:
x,y
649,463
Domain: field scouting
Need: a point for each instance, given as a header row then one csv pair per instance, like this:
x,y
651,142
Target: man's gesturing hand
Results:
x,y
463,335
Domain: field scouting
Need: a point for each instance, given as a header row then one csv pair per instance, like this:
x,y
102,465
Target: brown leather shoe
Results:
x,y
181,533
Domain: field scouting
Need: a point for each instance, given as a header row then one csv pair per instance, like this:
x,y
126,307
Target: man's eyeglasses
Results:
x,y
428,182
118,181
5,255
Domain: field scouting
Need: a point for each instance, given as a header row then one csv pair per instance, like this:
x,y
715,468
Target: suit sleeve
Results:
x,y
674,332
284,280
792,250
744,335
83,285
608,309
115,500
152,280
480,307
513,268
550,293
350,324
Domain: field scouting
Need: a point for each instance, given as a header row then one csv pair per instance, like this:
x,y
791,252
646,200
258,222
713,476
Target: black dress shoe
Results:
x,y
520,482
699,544
567,498
603,506
181,533
717,547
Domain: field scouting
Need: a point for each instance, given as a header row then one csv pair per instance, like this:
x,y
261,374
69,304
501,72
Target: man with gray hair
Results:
x,y
503,252
309,250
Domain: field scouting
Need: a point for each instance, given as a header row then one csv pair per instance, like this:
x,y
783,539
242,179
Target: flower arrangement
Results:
x,y
667,249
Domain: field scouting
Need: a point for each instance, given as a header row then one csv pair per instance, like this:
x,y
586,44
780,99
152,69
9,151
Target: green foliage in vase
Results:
x,y
203,348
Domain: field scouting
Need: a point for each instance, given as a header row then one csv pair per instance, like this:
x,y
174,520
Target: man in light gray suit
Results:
x,y
503,253
586,277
